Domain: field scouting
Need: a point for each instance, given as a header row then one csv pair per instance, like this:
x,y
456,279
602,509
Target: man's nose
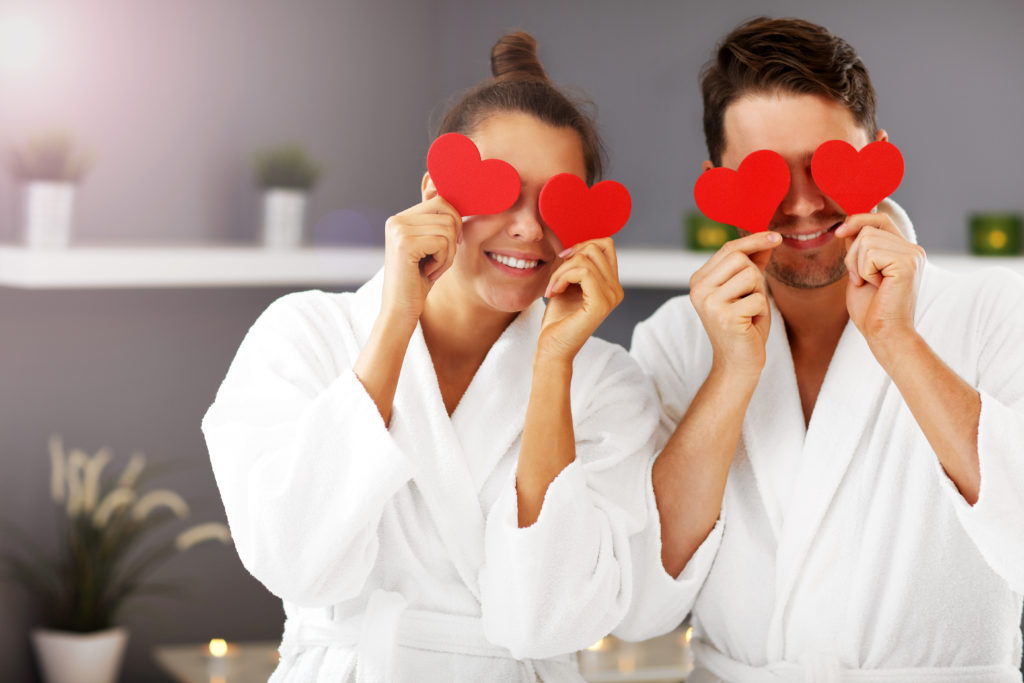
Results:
x,y
803,198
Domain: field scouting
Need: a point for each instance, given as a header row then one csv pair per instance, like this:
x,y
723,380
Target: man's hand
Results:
x,y
731,297
885,275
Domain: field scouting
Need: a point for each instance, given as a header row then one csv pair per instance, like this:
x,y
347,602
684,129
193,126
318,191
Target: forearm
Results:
x,y
380,361
946,408
690,473
549,443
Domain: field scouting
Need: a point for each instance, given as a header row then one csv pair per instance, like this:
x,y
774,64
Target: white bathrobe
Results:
x,y
396,550
845,545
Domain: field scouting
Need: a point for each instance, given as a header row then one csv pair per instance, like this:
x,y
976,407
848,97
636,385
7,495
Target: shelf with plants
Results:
x,y
245,266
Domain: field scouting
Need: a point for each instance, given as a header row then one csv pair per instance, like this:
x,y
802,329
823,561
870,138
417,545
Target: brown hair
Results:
x,y
519,83
764,56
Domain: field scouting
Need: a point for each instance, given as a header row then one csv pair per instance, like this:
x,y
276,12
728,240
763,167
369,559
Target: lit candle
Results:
x,y
217,665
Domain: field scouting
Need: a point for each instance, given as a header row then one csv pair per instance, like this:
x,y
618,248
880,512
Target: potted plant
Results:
x,y
286,175
112,536
48,166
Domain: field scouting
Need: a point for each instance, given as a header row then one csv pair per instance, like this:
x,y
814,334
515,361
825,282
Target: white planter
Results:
x,y
284,215
47,209
66,657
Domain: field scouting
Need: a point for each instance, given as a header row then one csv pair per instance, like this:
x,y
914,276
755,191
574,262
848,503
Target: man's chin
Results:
x,y
808,275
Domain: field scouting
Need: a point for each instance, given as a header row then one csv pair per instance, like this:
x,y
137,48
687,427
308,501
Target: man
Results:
x,y
842,486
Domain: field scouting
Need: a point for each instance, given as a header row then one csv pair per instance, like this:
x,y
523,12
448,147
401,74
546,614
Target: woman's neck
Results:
x,y
457,329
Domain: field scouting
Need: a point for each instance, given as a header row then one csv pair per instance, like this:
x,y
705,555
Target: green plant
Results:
x,y
49,156
286,166
111,537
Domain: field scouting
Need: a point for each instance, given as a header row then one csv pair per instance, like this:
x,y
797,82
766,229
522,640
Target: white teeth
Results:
x,y
807,238
514,262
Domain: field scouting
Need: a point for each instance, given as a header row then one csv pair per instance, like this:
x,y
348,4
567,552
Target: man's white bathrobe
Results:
x,y
845,545
396,550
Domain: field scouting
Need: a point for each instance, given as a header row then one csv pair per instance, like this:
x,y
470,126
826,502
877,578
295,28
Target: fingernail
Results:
x,y
459,240
774,236
565,252
547,292
853,277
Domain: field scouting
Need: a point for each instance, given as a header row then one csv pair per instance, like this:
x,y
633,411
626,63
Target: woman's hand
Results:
x,y
582,291
419,245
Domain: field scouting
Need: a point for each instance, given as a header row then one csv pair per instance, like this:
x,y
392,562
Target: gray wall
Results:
x,y
174,97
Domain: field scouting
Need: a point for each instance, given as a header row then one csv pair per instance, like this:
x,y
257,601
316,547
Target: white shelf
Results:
x,y
131,267
182,267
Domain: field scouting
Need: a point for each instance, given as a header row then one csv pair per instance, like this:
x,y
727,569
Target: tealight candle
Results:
x,y
217,664
704,234
996,234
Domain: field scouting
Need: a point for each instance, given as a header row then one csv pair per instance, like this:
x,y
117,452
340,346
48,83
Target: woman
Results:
x,y
438,474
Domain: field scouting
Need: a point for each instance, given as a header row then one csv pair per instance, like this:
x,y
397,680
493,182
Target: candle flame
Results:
x,y
688,636
218,647
599,645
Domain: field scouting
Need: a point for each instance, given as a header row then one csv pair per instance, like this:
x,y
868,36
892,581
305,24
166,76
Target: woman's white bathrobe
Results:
x,y
845,545
396,550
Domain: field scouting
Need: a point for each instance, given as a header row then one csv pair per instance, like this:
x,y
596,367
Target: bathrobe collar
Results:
x,y
453,456
848,402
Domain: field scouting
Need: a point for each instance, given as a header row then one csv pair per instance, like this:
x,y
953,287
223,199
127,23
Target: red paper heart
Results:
x,y
470,185
748,196
857,181
577,213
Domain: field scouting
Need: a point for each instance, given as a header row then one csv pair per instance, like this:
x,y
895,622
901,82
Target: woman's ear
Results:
x,y
881,135
706,166
427,189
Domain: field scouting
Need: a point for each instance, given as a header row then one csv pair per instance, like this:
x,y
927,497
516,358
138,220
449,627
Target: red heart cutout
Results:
x,y
470,185
577,213
857,181
748,196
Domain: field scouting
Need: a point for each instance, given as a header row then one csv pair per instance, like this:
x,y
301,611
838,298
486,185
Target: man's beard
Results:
x,y
811,276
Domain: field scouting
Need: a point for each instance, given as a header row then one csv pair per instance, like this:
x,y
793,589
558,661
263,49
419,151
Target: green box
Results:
x,y
995,234
703,234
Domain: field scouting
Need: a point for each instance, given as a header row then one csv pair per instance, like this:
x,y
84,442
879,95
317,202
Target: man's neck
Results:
x,y
815,320
814,317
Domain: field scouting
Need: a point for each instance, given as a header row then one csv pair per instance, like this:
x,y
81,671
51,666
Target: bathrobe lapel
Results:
x,y
847,404
455,454
774,422
491,414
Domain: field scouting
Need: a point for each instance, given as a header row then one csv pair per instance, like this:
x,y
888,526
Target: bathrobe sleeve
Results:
x,y
671,347
302,458
996,521
566,581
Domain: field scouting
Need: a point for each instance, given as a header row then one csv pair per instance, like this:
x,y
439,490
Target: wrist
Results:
x,y
740,376
554,355
894,347
394,325
553,362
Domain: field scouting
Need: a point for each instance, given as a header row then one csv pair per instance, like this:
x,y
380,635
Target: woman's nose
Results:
x,y
526,223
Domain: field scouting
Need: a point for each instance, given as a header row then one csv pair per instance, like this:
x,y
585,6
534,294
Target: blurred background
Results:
x,y
173,99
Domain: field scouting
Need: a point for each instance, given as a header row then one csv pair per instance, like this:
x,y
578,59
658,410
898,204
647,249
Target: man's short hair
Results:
x,y
766,56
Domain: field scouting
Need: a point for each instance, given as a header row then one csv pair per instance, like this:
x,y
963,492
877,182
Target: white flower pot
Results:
x,y
284,215
47,209
67,657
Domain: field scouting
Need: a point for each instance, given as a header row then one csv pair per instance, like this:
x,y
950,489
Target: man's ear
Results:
x,y
427,189
706,166
881,135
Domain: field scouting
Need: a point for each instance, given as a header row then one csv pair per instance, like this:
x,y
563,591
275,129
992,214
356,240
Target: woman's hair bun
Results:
x,y
514,58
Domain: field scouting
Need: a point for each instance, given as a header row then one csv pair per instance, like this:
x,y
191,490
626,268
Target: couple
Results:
x,y
445,479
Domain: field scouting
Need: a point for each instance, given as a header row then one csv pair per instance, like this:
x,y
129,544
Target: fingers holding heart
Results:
x,y
426,236
593,266
876,249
